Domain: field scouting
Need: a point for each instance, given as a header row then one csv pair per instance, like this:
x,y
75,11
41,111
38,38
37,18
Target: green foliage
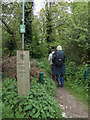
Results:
x,y
38,103
12,18
55,25
7,111
42,105
50,86
39,44
48,83
56,20
76,82
76,33
76,72
45,64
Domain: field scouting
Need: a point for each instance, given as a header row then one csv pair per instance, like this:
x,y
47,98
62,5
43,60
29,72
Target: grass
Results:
x,y
78,91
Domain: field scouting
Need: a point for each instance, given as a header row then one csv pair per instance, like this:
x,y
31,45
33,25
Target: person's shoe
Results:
x,y
59,84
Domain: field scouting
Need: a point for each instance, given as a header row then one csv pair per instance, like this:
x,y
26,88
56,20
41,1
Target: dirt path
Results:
x,y
70,107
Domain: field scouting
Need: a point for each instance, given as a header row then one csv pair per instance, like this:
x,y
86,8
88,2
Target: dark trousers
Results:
x,y
52,75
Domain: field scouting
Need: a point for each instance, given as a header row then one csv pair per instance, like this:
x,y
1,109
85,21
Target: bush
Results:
x,y
49,85
45,64
76,82
76,73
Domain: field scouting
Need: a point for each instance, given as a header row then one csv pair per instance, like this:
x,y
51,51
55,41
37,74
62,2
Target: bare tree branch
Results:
x,y
10,31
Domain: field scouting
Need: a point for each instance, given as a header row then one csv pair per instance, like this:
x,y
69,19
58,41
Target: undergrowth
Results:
x,y
38,103
76,82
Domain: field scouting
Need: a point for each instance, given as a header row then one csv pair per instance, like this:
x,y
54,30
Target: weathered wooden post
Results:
x,y
23,70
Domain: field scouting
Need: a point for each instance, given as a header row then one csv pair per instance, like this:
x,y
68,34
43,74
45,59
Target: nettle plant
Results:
x,y
38,103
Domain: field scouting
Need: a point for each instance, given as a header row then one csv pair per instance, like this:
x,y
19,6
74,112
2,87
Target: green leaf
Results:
x,y
37,115
34,110
28,107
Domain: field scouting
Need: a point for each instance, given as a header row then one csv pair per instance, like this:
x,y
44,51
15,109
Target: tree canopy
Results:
x,y
59,23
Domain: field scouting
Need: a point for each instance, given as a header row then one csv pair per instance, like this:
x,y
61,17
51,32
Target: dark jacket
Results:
x,y
57,70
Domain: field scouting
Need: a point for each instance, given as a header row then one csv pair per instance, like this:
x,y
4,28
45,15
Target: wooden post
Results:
x,y
23,72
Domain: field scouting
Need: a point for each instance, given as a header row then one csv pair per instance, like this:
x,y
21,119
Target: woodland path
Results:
x,y
71,108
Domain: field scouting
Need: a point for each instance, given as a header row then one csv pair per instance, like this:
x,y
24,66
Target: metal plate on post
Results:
x,y
22,28
23,76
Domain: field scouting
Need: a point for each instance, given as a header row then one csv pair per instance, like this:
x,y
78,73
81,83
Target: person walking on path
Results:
x,y
58,59
51,63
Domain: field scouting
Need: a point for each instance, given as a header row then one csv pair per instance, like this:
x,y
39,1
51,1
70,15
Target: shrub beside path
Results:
x,y
70,107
